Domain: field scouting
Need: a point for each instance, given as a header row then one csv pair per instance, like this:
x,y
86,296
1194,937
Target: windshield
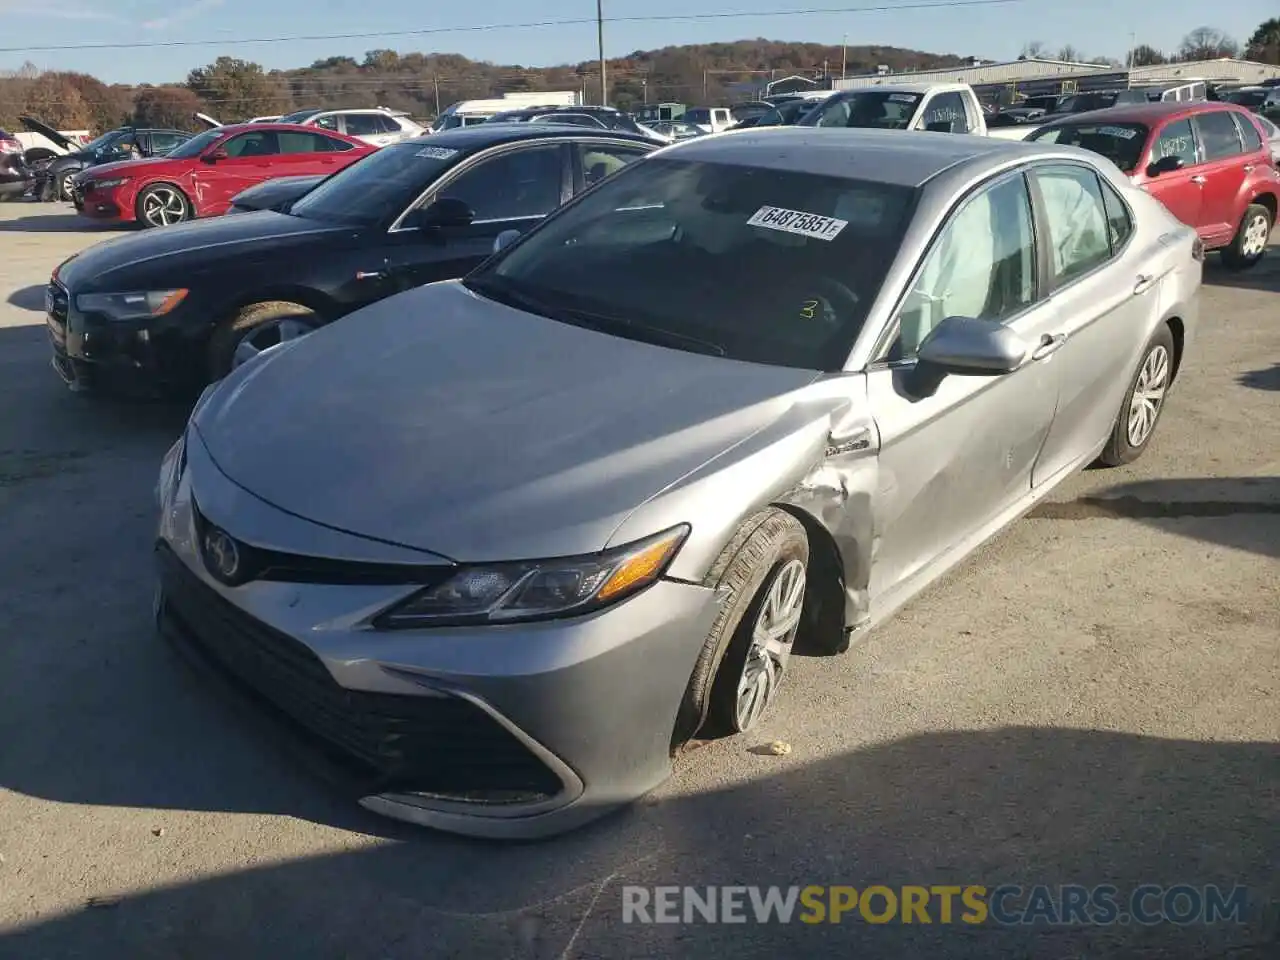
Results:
x,y
104,141
866,108
786,114
765,265
1121,143
299,116
697,116
1247,98
378,187
197,144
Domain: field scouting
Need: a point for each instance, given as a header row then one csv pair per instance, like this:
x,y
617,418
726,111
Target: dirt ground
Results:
x,y
1094,698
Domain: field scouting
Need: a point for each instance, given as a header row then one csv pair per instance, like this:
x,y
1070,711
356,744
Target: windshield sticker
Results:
x,y
436,153
797,222
902,97
1124,133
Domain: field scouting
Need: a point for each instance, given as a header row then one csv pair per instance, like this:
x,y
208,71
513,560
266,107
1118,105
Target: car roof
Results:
x,y
277,125
481,135
1146,112
906,88
883,156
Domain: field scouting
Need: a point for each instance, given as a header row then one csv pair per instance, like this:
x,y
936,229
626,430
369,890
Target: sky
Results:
x,y
1095,27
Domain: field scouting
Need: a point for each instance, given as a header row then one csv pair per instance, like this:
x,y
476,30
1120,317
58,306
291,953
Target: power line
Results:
x,y
527,25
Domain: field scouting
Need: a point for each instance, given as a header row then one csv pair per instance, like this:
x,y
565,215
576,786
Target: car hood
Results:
x,y
445,422
180,249
138,167
35,126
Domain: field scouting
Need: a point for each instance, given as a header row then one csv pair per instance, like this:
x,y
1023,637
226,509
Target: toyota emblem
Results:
x,y
222,554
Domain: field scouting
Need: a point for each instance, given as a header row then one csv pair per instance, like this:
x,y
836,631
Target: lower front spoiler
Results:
x,y
548,817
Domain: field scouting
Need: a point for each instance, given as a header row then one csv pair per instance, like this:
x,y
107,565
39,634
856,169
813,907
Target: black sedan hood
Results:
x,y
35,126
185,248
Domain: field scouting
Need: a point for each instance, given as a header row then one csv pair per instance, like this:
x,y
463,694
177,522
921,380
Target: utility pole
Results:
x,y
604,83
1133,50
644,88
704,86
844,56
435,82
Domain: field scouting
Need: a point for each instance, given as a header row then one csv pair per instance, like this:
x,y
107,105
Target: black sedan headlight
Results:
x,y
539,589
131,306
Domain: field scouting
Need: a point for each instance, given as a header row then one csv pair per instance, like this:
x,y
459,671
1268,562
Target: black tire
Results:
x,y
1234,255
229,334
744,570
62,186
1119,450
155,190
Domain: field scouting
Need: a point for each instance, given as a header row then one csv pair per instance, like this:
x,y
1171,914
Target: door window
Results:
x,y
294,143
258,143
1249,135
983,264
1219,137
363,124
1176,140
520,183
944,109
328,123
162,142
1079,236
1119,223
598,161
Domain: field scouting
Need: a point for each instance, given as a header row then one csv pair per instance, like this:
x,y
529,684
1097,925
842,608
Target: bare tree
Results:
x,y
1207,43
1033,49
1145,55
1069,54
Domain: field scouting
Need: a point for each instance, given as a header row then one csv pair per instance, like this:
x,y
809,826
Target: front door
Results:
x,y
512,189
952,462
1223,173
1100,299
1179,190
249,160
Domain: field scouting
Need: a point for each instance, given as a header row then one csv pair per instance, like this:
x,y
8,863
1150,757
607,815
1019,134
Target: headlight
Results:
x,y
171,468
541,589
130,306
104,184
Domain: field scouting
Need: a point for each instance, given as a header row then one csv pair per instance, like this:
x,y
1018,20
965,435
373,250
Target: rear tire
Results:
x,y
1249,244
1143,402
251,327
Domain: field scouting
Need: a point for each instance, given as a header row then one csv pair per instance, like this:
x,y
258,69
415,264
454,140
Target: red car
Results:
x,y
1208,162
199,177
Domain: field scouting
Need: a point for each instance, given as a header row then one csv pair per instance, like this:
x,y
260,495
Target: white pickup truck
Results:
x,y
936,107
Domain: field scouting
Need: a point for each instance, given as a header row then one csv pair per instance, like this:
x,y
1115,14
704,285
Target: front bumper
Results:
x,y
517,731
158,356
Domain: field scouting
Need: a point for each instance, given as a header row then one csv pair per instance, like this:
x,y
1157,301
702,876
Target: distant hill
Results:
x,y
423,83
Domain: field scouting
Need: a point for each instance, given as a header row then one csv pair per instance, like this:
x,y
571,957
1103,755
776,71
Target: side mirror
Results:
x,y
505,239
445,212
966,346
213,156
1164,165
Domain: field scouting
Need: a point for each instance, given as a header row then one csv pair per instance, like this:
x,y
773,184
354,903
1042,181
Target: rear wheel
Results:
x,y
1143,402
161,205
256,328
1250,241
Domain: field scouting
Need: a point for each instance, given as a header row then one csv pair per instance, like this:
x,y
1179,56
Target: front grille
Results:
x,y
439,745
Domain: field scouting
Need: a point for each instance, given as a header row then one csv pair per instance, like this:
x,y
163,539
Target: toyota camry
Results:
x,y
504,545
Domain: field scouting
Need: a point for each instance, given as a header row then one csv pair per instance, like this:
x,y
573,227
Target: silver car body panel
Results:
x,y
450,426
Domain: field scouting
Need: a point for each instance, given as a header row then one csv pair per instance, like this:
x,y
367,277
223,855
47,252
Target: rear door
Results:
x,y
307,154
1223,175
369,127
1179,190
510,188
250,159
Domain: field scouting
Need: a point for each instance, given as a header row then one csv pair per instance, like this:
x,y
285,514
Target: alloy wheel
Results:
x,y
1255,236
164,206
269,335
66,190
772,638
1148,395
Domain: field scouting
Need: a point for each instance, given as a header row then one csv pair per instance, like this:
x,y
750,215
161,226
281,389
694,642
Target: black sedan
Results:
x,y
167,311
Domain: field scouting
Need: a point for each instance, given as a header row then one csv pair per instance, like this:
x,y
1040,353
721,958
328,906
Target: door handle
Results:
x,y
1197,179
1048,345
1143,283
1248,168
371,274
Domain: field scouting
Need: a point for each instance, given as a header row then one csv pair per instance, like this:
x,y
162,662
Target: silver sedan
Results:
x,y
500,546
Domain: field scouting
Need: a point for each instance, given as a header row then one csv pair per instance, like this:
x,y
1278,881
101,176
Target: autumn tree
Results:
x,y
168,106
1207,43
239,88
1264,45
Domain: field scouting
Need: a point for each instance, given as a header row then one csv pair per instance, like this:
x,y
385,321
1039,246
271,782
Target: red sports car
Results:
x,y
199,178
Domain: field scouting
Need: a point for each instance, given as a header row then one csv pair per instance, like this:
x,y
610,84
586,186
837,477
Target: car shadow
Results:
x,y
28,298
68,222
1265,275
1006,806
1264,378
1238,512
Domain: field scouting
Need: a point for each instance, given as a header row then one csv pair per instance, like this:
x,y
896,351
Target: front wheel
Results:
x,y
1250,241
1143,402
256,328
162,205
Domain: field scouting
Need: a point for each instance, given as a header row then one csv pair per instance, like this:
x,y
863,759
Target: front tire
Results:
x,y
255,328
1250,241
763,574
162,205
1143,402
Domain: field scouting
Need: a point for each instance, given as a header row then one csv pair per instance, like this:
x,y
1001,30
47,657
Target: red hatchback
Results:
x,y
199,178
1208,162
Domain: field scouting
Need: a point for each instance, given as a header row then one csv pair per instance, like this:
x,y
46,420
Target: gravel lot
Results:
x,y
1095,698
